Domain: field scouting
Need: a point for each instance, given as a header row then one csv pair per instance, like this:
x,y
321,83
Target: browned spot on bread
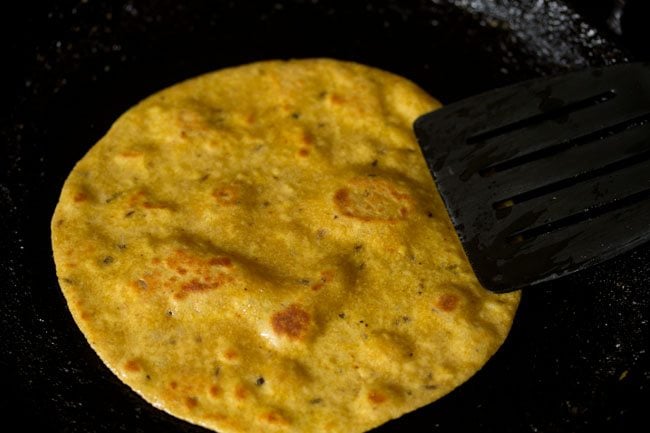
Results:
x,y
191,402
179,296
217,416
173,384
342,197
213,282
144,200
132,365
373,200
307,141
241,392
226,195
182,258
182,273
220,261
215,391
194,285
80,196
273,417
136,198
231,354
307,138
377,397
447,302
250,119
325,277
337,99
188,273
291,322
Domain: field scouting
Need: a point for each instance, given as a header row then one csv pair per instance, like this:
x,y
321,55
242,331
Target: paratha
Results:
x,y
263,248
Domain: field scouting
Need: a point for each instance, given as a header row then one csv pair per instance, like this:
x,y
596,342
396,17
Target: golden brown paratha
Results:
x,y
262,248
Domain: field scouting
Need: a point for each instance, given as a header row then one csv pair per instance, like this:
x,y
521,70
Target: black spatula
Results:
x,y
545,177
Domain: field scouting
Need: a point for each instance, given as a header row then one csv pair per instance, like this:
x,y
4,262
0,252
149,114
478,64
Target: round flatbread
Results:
x,y
263,248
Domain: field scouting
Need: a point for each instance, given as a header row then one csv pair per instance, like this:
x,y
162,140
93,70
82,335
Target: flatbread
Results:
x,y
262,248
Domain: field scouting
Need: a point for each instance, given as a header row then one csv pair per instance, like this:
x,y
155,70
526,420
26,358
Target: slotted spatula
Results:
x,y
545,177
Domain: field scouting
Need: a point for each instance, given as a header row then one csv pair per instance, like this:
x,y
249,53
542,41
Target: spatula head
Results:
x,y
545,177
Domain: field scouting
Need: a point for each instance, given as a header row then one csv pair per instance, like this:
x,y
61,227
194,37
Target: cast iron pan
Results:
x,y
576,359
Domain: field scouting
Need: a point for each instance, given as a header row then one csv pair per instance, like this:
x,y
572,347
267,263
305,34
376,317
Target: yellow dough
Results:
x,y
263,249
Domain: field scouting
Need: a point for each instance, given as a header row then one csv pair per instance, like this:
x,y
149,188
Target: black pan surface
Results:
x,y
576,359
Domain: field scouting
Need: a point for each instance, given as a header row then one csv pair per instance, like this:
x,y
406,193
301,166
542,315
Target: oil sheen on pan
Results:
x,y
262,248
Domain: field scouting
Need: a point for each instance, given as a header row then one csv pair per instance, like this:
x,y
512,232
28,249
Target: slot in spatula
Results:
x,y
545,177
